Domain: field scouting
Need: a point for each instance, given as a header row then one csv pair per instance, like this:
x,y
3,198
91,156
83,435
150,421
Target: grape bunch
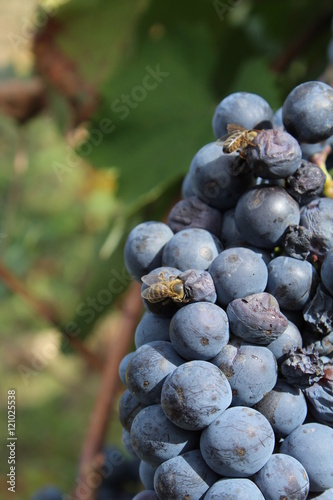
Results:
x,y
229,393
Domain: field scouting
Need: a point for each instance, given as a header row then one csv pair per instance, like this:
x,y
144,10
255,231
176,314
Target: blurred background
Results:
x,y
103,104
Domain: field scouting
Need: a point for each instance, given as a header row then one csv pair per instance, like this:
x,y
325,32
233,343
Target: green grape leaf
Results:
x,y
110,278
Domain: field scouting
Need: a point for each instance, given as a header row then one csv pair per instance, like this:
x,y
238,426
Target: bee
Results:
x,y
237,139
162,288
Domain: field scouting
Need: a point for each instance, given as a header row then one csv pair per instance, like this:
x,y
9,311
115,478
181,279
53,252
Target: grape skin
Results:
x,y
276,235
311,445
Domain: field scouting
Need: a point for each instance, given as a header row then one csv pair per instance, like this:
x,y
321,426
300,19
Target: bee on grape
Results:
x,y
238,139
162,288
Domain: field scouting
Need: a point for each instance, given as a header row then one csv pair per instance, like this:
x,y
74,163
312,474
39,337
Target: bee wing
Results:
x,y
221,140
233,127
150,279
152,297
146,294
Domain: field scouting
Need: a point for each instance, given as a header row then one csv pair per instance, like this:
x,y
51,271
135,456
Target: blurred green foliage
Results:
x,y
64,222
204,50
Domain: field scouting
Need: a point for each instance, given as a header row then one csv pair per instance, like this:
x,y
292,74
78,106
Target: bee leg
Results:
x,y
242,154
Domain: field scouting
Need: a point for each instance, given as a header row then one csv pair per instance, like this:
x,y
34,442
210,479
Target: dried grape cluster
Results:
x,y
230,389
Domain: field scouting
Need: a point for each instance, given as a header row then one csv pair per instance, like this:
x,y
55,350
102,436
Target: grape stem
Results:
x,y
48,312
320,160
108,390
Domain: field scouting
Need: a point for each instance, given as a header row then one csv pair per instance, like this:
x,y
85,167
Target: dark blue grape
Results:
x,y
184,477
291,281
106,492
275,154
308,112
242,108
129,407
288,340
230,235
317,216
284,407
148,369
151,327
250,370
277,120
311,444
126,440
326,272
323,346
144,246
191,249
213,178
47,493
155,439
187,190
306,183
199,286
194,213
147,472
237,488
195,394
238,272
302,367
308,150
265,254
263,214
145,495
123,367
238,443
256,318
320,397
296,242
283,477
318,314
295,317
199,331
326,495
117,470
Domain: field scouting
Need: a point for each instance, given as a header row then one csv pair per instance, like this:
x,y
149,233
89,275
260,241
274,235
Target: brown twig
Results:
x,y
61,72
300,43
131,312
49,313
22,99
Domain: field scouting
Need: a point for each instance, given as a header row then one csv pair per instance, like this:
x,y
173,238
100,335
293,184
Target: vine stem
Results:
x,y
89,477
302,41
48,312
